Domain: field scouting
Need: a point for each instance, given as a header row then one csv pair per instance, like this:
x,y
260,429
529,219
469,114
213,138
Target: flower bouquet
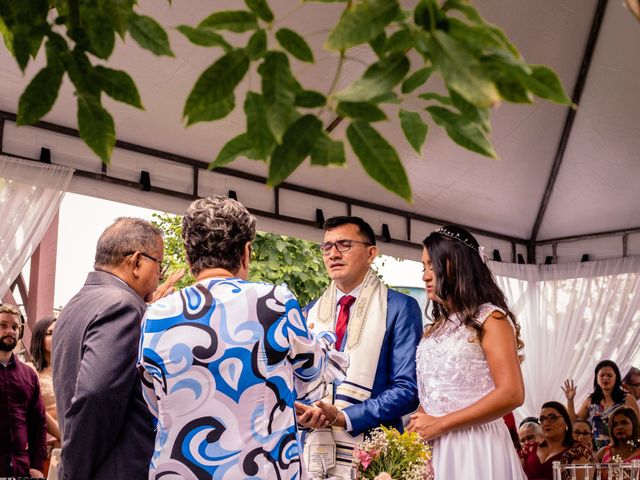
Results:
x,y
388,454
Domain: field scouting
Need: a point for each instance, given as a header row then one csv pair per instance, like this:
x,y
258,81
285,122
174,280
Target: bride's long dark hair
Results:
x,y
463,281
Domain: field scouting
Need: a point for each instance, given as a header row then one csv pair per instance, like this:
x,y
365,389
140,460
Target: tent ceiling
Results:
x,y
597,184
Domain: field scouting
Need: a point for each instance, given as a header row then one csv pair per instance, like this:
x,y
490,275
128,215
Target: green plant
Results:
x,y
276,259
478,64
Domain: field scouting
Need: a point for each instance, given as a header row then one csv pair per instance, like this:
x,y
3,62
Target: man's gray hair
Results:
x,y
536,427
215,231
125,235
633,372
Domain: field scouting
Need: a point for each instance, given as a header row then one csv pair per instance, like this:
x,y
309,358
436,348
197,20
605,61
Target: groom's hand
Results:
x,y
334,416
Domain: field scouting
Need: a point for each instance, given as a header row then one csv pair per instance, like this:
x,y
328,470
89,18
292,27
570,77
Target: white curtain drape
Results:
x,y
30,194
572,316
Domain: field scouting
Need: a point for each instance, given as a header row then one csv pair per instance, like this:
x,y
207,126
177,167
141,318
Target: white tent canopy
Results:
x,y
594,188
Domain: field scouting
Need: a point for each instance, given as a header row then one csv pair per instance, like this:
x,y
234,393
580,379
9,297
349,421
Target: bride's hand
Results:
x,y
425,425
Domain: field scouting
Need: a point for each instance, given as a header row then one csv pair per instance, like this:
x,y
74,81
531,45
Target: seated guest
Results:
x,y
582,433
625,438
558,445
530,432
607,395
224,360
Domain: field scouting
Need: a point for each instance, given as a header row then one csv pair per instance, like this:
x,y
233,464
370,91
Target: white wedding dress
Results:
x,y
452,374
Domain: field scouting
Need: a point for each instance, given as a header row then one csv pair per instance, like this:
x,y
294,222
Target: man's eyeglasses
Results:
x,y
550,418
341,245
163,270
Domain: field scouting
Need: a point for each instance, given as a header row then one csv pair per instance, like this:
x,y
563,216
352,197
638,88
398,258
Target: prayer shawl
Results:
x,y
365,334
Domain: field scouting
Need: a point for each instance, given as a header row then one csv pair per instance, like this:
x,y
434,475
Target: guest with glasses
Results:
x,y
558,445
631,383
583,433
607,395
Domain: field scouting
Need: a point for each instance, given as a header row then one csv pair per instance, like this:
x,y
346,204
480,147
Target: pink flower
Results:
x,y
365,459
383,476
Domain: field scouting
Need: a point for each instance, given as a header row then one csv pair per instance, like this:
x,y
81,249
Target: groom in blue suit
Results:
x,y
379,328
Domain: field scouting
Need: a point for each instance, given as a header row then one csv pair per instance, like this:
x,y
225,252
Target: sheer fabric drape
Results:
x,y
572,316
30,194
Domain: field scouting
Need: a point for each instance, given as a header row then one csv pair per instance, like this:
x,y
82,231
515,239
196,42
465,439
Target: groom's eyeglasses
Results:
x,y
341,245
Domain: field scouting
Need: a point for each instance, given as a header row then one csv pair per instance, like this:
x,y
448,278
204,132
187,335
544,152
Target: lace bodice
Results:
x,y
451,366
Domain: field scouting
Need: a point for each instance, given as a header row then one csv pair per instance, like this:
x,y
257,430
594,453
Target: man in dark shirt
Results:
x,y
23,426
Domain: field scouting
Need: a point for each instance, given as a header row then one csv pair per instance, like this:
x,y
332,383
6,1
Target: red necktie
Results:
x,y
343,318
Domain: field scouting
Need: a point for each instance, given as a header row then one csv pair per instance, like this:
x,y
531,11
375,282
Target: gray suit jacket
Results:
x,y
107,429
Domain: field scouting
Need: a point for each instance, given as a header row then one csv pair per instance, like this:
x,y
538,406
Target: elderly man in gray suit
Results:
x,y
107,430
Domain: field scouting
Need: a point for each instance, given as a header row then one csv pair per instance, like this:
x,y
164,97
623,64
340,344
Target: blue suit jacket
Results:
x,y
395,391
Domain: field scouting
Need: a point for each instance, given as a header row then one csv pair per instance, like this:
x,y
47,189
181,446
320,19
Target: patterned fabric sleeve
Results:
x,y
315,362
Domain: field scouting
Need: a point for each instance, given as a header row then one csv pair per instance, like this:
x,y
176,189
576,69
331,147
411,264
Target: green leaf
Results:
x,y
7,36
96,127
400,42
294,44
39,96
465,133
507,74
257,127
414,129
480,38
149,35
118,85
233,20
544,83
21,50
361,111
296,145
279,88
378,80
474,114
215,86
361,23
436,96
310,99
460,69
257,45
327,151
117,13
377,44
416,79
98,30
234,148
204,37
379,158
261,9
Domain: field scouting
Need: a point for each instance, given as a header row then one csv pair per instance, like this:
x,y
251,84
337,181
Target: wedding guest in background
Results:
x,y
223,360
527,420
530,432
625,438
582,432
631,383
23,445
558,445
107,430
467,363
607,395
41,356
379,328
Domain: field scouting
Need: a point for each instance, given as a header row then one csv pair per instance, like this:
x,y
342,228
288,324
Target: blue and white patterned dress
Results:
x,y
222,363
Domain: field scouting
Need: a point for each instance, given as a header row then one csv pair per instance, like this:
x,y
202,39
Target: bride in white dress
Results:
x,y
467,364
